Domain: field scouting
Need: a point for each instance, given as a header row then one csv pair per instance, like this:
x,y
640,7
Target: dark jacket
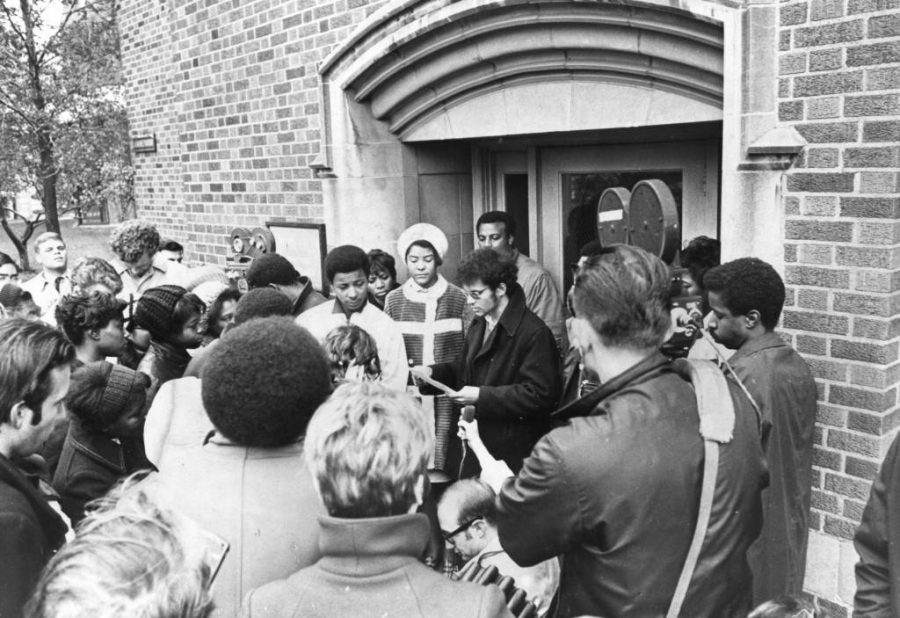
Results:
x,y
90,464
877,542
518,374
30,531
307,299
783,387
616,492
370,567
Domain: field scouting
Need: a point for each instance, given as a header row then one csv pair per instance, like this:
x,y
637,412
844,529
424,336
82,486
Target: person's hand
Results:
x,y
467,395
468,430
420,370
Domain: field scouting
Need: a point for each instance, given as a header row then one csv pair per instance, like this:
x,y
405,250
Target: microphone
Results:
x,y
468,415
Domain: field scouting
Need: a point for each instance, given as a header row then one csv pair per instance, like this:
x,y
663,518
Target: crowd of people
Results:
x,y
171,446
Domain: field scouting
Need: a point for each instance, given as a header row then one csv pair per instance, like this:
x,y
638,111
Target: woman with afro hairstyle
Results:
x,y
107,404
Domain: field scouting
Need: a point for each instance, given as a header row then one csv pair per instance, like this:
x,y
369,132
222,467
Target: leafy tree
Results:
x,y
62,113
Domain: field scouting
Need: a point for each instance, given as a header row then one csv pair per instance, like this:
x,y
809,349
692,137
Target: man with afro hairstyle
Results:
x,y
347,270
746,297
247,481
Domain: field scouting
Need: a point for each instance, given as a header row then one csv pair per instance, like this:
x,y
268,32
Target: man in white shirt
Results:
x,y
346,268
139,264
52,283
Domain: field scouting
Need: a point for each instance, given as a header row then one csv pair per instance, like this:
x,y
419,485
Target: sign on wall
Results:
x,y
304,245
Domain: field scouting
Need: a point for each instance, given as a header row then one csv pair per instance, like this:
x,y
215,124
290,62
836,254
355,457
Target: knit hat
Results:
x,y
263,382
261,303
271,268
422,231
204,274
156,308
119,384
11,296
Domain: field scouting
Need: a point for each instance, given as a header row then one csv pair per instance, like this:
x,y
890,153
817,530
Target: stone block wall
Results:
x,y
231,91
839,75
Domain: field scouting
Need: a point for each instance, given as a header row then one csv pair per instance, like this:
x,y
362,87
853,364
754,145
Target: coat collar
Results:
x,y
650,367
509,322
98,447
763,342
371,546
52,524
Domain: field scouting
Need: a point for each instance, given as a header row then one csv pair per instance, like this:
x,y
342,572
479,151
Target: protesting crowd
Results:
x,y
475,444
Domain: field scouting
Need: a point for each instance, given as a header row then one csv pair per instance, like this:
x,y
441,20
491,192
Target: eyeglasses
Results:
x,y
476,294
448,536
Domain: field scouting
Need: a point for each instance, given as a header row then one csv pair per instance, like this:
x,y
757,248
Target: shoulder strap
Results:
x,y
716,411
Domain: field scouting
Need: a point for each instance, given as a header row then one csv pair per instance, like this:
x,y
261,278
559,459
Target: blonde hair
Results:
x,y
132,556
368,448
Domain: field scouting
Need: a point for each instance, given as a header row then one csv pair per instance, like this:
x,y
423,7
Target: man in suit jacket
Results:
x,y
34,363
367,448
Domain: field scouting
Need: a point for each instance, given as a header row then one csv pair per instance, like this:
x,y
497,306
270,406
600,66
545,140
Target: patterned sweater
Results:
x,y
431,321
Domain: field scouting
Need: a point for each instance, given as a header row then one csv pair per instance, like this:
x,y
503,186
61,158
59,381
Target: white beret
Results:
x,y
422,231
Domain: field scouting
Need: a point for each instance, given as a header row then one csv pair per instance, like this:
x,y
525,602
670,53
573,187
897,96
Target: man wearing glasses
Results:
x,y
467,514
615,489
509,369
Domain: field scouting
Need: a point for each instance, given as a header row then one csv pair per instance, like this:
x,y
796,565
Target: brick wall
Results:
x,y
839,73
231,90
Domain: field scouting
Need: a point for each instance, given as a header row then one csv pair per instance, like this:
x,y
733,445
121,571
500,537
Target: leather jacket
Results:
x,y
615,491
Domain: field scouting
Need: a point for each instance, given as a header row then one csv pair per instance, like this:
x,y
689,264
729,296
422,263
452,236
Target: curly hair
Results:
x,y
132,238
85,398
134,555
76,314
624,293
368,448
350,346
748,284
701,254
91,271
487,266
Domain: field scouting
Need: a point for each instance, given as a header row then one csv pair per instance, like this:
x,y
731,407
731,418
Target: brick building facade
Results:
x,y
780,119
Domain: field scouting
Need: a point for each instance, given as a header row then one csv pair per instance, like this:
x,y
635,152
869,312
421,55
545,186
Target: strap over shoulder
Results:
x,y
714,403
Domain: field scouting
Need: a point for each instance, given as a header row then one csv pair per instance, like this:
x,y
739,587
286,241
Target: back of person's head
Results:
x,y
487,266
167,244
93,272
271,269
591,248
132,238
368,449
748,284
132,556
165,310
498,216
18,302
100,393
261,303
349,345
382,262
701,254
471,499
78,314
623,293
29,352
345,259
263,381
